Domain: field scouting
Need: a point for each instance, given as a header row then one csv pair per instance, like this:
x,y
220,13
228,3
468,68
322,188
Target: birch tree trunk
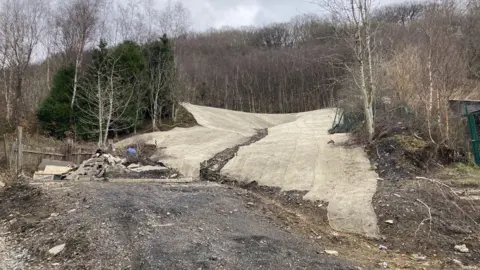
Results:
x,y
430,96
75,81
100,110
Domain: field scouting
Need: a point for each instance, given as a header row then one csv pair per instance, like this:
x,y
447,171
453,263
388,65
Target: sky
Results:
x,y
236,13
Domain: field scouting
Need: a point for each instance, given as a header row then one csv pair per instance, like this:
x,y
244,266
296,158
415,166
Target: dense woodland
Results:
x,y
91,68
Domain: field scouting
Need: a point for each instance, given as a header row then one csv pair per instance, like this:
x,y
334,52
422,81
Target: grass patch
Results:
x,y
463,175
410,143
467,183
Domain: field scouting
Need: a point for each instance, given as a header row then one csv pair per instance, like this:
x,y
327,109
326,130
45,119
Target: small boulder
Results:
x,y
331,252
462,248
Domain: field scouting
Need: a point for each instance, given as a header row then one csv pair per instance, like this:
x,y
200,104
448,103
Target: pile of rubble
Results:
x,y
102,167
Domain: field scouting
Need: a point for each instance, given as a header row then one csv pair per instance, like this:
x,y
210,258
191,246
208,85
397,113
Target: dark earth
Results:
x,y
155,226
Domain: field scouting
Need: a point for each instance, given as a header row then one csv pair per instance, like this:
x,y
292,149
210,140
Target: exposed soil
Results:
x,y
429,218
210,169
151,226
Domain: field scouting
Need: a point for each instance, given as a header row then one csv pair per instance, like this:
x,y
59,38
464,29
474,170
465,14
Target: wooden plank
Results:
x,y
43,177
43,153
53,169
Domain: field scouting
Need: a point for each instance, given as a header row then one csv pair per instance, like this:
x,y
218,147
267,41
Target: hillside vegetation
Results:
x,y
108,70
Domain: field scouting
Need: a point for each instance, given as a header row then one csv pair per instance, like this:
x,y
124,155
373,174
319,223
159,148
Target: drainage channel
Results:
x,y
210,169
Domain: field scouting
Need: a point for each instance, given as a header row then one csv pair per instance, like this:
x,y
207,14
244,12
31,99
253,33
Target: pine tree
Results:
x,y
55,114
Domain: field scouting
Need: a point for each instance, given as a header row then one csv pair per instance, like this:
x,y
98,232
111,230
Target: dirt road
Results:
x,y
155,226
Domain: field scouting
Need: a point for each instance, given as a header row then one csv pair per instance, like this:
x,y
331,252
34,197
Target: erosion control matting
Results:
x,y
297,154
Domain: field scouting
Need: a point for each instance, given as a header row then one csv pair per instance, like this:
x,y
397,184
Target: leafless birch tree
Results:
x,y
105,99
76,22
353,19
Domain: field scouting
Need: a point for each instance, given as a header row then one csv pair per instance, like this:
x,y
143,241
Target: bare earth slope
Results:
x,y
295,155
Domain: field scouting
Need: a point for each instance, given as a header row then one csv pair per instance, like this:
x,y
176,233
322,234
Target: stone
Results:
x,y
111,160
419,257
57,249
462,248
383,265
54,214
331,252
457,262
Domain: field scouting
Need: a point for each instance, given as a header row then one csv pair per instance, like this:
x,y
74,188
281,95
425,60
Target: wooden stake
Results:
x,y
20,150
5,145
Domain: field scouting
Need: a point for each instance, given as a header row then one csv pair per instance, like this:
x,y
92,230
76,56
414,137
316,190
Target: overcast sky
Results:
x,y
235,13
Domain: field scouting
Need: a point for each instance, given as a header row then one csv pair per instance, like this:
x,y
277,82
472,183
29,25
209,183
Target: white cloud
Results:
x,y
234,13
241,15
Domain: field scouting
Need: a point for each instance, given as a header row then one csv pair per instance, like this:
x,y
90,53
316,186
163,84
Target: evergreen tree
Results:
x,y
55,114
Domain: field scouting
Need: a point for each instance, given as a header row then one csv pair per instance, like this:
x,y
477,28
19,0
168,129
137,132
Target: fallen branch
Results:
x,y
429,218
439,183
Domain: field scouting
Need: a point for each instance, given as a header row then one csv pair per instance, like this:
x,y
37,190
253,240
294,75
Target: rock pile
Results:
x,y
104,166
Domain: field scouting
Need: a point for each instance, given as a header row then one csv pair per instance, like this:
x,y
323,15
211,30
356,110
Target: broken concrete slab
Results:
x,y
149,168
45,162
133,166
53,169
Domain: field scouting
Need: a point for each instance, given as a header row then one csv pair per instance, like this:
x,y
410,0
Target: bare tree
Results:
x,y
105,100
23,22
76,22
175,20
353,19
160,76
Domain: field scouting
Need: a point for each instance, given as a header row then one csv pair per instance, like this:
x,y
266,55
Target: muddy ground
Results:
x,y
155,226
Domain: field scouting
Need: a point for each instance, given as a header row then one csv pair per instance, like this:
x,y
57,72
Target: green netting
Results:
x,y
345,121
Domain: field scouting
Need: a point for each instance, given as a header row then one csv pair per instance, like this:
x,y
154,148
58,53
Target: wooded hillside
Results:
x,y
110,67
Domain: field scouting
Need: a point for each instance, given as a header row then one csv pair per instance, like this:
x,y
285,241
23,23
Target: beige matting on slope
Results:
x,y
295,155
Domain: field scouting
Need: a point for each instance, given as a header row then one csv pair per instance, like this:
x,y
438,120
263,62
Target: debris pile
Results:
x,y
102,167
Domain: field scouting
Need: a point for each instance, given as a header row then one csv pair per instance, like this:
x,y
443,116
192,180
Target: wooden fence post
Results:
x,y
69,150
19,150
79,155
5,145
